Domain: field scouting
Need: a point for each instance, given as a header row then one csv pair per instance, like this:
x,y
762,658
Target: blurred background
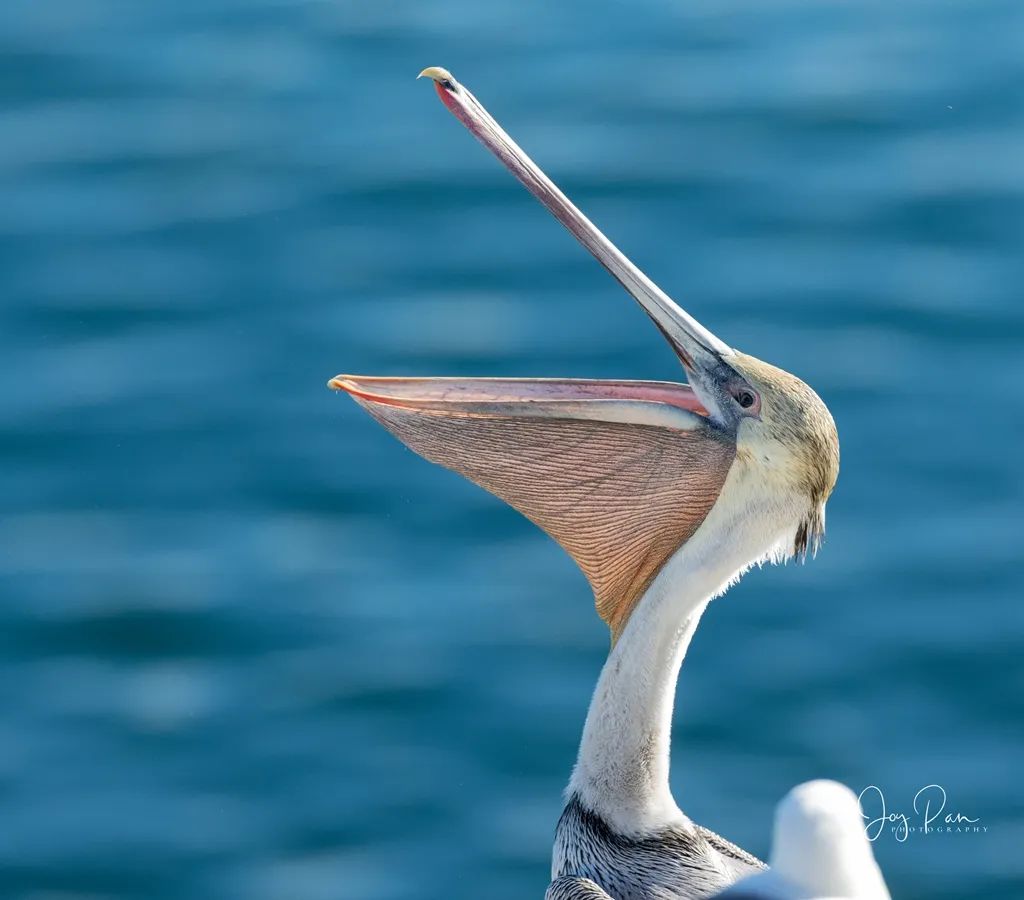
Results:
x,y
251,647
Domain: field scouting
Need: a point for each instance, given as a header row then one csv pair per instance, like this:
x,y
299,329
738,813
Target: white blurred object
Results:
x,y
819,850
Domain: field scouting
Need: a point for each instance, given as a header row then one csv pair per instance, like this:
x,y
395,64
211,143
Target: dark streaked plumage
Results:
x,y
572,887
680,862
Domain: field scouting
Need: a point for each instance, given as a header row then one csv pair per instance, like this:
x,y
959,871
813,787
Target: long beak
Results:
x,y
700,351
620,473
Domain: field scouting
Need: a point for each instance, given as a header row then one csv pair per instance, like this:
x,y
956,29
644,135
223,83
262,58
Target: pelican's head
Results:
x,y
786,434
623,473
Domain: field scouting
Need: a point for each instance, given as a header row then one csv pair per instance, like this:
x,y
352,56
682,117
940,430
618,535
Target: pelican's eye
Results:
x,y
746,399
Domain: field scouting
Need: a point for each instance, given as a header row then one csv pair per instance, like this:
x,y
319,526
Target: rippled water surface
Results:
x,y
253,648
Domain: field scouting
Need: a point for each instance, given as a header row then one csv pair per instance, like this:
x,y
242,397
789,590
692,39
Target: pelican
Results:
x,y
819,850
664,494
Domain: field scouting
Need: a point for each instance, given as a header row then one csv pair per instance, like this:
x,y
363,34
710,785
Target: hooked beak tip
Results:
x,y
341,383
436,73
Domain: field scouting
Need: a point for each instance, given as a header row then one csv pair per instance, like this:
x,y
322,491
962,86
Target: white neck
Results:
x,y
622,771
623,765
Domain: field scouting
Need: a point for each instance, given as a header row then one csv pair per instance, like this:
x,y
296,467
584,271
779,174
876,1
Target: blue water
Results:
x,y
251,647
